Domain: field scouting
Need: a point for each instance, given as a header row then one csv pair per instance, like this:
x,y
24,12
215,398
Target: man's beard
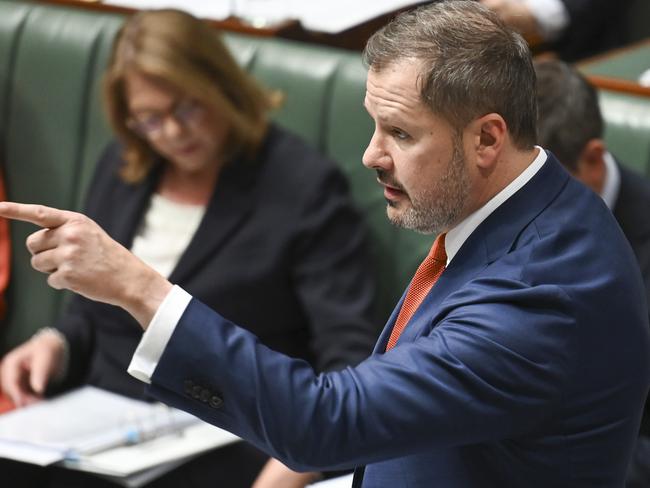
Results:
x,y
435,208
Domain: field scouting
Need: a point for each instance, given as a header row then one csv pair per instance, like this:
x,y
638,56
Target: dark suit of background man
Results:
x,y
571,126
574,29
525,364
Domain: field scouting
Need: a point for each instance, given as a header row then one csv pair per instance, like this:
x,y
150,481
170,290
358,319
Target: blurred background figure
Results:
x,y
574,29
571,126
202,187
5,255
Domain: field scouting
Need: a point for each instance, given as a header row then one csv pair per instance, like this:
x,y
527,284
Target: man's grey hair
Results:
x,y
569,114
472,64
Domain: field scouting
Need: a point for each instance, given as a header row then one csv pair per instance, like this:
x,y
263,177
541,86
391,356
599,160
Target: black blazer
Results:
x,y
280,250
630,211
594,26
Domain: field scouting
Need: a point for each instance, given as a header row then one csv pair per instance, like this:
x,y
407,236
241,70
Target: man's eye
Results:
x,y
399,134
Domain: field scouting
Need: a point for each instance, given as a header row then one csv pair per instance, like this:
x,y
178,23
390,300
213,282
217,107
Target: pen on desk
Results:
x,y
136,429
109,440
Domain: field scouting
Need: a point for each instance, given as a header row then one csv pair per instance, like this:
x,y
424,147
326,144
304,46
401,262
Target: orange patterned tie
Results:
x,y
425,277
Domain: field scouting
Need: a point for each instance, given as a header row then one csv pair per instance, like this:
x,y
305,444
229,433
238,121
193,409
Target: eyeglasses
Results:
x,y
152,124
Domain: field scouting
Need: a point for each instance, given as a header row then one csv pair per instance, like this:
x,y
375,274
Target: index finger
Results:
x,y
36,214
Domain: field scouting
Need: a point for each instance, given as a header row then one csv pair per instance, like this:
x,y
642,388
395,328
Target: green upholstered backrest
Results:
x,y
53,128
47,92
627,128
626,115
12,18
97,132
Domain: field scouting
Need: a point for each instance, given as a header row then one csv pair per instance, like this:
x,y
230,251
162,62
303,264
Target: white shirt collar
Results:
x,y
612,181
457,236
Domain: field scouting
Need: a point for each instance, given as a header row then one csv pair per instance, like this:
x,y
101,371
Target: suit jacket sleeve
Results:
x,y
469,379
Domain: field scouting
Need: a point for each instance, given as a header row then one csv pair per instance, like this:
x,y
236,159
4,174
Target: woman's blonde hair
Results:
x,y
187,53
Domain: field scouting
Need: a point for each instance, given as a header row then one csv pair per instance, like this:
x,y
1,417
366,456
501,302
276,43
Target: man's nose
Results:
x,y
375,156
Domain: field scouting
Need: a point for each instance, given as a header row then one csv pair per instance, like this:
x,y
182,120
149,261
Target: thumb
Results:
x,y
40,373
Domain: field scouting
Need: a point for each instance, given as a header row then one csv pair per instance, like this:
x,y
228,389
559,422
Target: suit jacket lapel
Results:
x,y
133,203
380,346
232,200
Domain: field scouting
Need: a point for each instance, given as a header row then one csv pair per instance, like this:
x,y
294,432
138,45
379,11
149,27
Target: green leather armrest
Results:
x,y
627,128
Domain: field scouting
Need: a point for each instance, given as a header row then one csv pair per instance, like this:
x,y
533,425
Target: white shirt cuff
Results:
x,y
155,338
551,16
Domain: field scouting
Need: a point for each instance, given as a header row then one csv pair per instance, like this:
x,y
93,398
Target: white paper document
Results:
x,y
125,460
340,482
102,432
331,17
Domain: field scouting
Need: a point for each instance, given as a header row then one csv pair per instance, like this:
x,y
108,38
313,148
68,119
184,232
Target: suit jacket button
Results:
x,y
196,391
215,401
205,395
188,385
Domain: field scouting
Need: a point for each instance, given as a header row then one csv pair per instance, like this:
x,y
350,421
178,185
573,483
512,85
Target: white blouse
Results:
x,y
165,232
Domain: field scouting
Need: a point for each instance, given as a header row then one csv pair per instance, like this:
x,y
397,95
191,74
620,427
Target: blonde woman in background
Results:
x,y
231,207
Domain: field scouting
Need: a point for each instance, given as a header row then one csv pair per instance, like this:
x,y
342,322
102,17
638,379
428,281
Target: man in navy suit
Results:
x,y
571,126
524,365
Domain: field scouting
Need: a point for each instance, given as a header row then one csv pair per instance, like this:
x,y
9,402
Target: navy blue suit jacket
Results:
x,y
526,365
630,212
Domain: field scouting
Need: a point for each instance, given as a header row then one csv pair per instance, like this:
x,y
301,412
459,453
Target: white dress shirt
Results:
x,y
612,184
551,16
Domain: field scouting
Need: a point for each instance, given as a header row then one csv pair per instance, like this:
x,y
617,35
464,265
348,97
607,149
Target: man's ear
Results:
x,y
488,135
591,169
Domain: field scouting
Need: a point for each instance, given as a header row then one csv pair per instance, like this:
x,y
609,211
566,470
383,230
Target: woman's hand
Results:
x,y
26,370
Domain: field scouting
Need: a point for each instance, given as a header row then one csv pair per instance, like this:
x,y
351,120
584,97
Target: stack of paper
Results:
x,y
94,430
340,482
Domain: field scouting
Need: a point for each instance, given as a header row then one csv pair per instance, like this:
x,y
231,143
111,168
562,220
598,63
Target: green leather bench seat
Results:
x,y
53,130
49,67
